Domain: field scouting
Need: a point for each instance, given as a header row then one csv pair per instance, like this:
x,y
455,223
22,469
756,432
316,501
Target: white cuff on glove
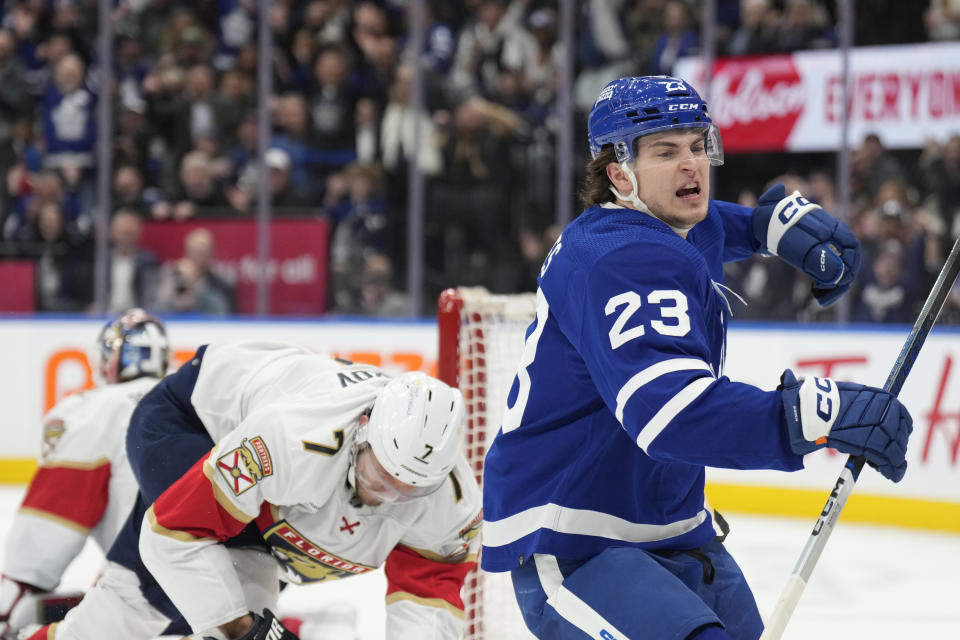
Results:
x,y
819,406
786,214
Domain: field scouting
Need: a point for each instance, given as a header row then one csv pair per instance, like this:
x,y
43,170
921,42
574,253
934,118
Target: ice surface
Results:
x,y
884,583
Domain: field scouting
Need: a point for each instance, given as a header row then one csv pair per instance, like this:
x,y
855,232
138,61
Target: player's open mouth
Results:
x,y
689,189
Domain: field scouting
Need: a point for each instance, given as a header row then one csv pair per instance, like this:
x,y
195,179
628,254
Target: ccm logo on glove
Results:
x,y
805,236
852,418
789,207
822,396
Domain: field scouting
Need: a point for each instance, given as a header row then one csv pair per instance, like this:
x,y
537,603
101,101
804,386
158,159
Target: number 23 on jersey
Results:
x,y
673,321
673,307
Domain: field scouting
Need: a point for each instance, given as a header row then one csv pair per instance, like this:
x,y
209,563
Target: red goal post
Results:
x,y
480,343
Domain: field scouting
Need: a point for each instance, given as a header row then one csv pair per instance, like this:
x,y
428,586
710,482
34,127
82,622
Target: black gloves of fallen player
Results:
x,y
266,627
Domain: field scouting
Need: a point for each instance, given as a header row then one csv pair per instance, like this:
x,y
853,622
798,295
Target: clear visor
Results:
x,y
384,487
674,146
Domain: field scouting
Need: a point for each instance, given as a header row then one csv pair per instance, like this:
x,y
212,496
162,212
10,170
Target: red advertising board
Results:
x,y
16,294
758,100
906,94
296,271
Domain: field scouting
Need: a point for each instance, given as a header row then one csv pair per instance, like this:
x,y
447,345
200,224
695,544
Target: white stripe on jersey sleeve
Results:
x,y
669,411
584,522
653,372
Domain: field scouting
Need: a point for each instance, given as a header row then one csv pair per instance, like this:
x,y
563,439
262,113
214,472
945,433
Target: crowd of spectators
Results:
x,y
183,87
906,219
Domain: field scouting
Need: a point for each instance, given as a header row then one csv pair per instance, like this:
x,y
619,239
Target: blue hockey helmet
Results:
x,y
629,108
132,346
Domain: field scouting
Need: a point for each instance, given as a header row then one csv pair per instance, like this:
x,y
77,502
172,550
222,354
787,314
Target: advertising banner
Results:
x,y
931,393
48,359
905,94
17,291
297,269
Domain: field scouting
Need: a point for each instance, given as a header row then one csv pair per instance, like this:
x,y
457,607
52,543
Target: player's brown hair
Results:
x,y
596,184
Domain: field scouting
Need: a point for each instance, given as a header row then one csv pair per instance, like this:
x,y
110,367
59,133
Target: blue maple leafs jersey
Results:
x,y
620,400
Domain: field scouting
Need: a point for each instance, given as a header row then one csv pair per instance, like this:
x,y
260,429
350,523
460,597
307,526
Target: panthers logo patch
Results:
x,y
246,465
53,430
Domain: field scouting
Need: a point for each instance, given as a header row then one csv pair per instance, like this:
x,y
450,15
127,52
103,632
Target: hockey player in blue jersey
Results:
x,y
594,484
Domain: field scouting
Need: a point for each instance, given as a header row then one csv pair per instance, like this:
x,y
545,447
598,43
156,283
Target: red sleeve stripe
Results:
x,y
190,506
426,581
48,632
77,495
269,516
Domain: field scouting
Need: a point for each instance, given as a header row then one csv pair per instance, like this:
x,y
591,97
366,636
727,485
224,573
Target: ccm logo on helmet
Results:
x,y
686,106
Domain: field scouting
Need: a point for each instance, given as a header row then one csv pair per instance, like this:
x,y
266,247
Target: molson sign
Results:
x,y
905,94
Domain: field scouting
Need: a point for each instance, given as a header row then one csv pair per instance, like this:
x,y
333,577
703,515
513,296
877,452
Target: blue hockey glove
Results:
x,y
850,417
808,238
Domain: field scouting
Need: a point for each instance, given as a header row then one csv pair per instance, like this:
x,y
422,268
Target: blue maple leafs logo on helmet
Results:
x,y
675,84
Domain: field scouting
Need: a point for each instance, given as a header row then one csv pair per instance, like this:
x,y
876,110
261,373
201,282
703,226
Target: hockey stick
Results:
x,y
851,470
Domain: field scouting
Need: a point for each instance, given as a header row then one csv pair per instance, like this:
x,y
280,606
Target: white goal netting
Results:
x,y
481,339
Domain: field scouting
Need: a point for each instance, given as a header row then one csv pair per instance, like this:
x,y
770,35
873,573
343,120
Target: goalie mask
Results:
x,y
132,346
415,433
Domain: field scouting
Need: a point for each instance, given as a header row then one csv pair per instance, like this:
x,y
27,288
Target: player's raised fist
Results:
x,y
801,233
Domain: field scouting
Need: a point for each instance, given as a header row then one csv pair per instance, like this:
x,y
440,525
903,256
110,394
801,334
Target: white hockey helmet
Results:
x,y
416,430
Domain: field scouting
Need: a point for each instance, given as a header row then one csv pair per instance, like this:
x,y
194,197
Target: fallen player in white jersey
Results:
x,y
262,462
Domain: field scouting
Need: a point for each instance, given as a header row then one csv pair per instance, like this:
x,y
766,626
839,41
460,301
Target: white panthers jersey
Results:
x,y
284,421
83,485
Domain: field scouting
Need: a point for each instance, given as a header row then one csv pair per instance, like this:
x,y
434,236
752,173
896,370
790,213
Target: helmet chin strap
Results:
x,y
633,199
639,204
352,481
